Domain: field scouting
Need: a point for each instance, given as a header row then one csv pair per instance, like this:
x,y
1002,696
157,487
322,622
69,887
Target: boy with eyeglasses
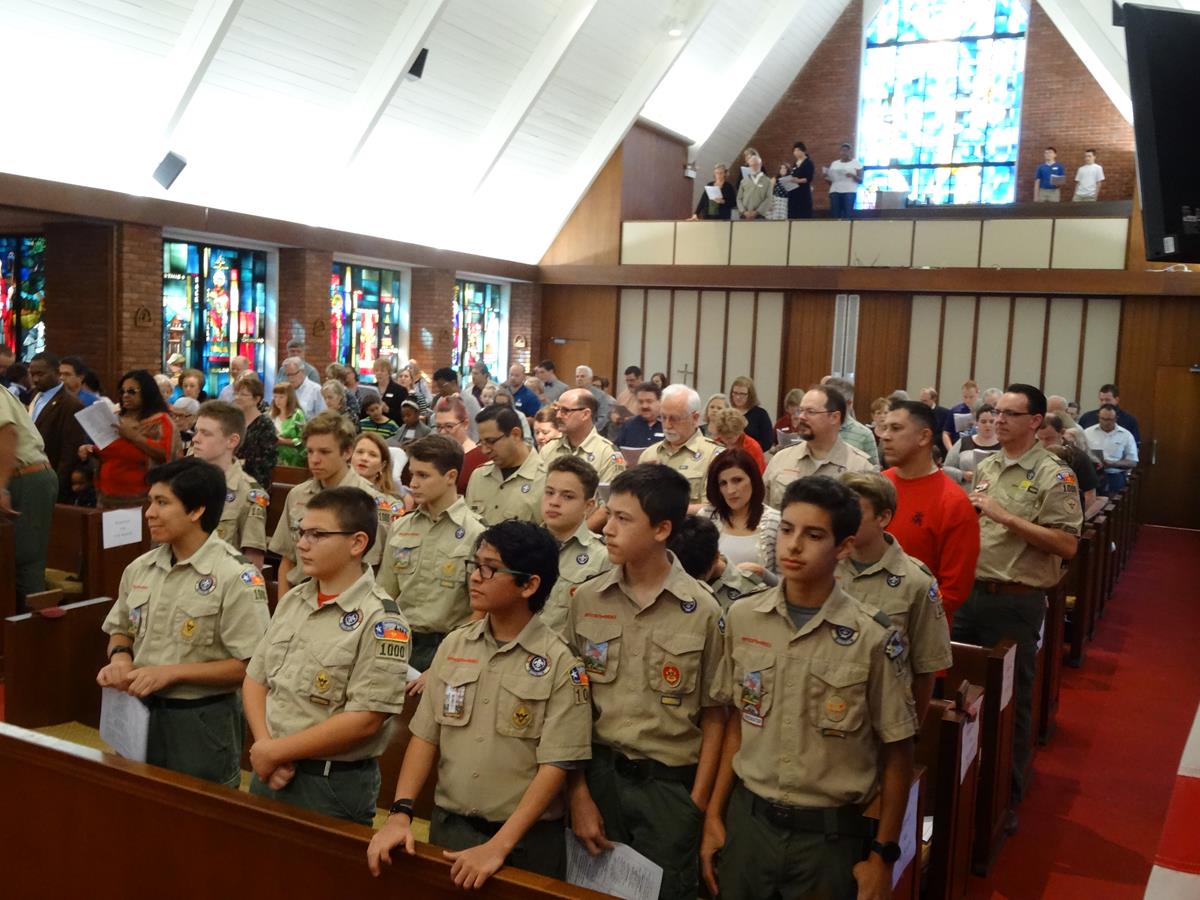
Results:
x,y
509,485
330,671
507,706
427,549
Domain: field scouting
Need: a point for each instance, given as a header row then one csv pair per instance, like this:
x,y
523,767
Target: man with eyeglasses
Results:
x,y
1029,521
821,450
683,447
308,392
238,366
577,423
509,485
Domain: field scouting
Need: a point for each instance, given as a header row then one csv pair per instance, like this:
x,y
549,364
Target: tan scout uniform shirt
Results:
x,y
494,498
1038,487
691,460
209,608
30,449
497,712
351,655
797,462
598,452
816,704
582,556
283,541
652,670
244,518
733,584
424,569
903,588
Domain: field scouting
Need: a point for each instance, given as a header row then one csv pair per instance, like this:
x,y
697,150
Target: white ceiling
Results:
x,y
298,109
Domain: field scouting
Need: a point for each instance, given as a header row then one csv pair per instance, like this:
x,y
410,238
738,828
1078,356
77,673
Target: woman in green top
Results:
x,y
289,422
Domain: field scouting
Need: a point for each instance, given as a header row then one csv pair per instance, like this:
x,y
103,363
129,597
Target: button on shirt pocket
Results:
x,y
453,708
326,673
195,620
600,648
521,708
673,660
837,695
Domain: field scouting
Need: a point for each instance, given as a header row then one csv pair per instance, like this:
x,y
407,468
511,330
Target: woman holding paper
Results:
x,y
719,197
146,437
969,449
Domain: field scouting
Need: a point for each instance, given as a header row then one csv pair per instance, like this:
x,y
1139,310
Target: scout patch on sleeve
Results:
x,y
897,651
721,624
252,578
259,498
580,682
391,639
230,496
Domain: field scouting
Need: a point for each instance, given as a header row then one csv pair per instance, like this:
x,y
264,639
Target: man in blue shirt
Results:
x,y
525,400
71,370
646,427
1044,188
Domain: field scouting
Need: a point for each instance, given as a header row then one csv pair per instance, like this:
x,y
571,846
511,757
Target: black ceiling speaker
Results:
x,y
417,69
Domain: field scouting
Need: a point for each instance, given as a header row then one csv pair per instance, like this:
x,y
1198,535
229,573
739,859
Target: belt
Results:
x,y
172,703
324,767
645,769
833,822
29,470
1007,587
485,826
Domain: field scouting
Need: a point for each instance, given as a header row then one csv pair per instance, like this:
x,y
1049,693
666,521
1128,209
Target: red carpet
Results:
x,y
1091,820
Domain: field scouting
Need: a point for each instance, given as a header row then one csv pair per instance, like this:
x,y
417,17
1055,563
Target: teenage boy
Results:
x,y
220,428
328,440
697,547
188,615
509,485
424,565
506,713
823,723
880,574
330,671
651,640
568,500
375,418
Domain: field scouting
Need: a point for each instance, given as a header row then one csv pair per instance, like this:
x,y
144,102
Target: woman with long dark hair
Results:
x,y
736,504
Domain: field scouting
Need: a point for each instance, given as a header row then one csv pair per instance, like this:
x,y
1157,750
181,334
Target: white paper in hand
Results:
x,y
100,423
621,872
124,723
714,192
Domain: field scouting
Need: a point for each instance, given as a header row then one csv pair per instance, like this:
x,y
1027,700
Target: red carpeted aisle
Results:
x,y
1094,812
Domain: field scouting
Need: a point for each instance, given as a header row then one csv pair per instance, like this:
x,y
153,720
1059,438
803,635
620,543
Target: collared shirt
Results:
x,y
652,670
244,516
691,460
86,397
902,587
817,703
283,541
797,461
208,608
598,452
1038,487
733,584
30,449
1117,444
424,566
525,401
308,395
580,557
860,437
637,432
350,655
554,389
495,498
40,401
1124,419
1045,173
497,712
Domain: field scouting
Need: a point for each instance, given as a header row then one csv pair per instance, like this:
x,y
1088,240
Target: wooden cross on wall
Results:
x,y
687,373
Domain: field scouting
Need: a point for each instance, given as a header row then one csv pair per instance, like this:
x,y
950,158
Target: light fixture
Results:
x,y
689,170
675,29
417,69
168,170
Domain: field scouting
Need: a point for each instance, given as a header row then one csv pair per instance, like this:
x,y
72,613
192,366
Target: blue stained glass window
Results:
x,y
940,105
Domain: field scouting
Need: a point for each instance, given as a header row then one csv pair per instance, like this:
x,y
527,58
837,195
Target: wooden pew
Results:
x,y
994,668
1082,585
906,875
1053,640
77,545
289,475
279,492
85,815
8,577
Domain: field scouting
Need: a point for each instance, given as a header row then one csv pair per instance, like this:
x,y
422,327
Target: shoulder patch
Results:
x,y
895,646
259,498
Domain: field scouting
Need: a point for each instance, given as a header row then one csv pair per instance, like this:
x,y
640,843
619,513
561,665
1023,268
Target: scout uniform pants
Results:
x,y
543,849
649,806
32,495
344,790
202,738
763,860
986,619
424,646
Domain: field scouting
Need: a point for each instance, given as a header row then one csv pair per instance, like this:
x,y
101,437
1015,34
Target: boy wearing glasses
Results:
x,y
568,500
509,485
427,549
330,670
508,709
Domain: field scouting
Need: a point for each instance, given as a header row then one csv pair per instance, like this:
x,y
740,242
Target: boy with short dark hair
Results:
x,y
375,417
651,640
697,547
219,430
568,499
823,723
331,669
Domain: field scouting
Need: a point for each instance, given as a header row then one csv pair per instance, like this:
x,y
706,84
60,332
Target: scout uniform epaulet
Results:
x,y
882,618
390,606
241,558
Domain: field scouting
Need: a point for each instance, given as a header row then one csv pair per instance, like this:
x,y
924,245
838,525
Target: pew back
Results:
x,y
77,545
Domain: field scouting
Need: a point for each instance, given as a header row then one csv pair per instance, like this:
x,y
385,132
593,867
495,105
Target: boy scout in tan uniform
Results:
x,y
581,557
211,607
219,430
568,501
322,659
697,546
732,584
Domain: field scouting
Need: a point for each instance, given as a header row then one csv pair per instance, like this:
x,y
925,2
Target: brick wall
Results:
x,y
79,294
431,321
138,308
304,303
524,319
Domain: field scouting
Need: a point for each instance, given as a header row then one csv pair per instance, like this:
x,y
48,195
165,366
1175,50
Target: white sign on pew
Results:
x,y
121,526
1006,689
970,747
124,723
908,836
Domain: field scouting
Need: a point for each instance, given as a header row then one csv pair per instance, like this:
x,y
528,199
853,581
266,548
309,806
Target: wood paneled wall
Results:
x,y
592,236
584,319
653,184
808,342
883,336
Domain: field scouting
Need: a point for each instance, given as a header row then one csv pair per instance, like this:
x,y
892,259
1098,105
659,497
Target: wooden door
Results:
x,y
1172,457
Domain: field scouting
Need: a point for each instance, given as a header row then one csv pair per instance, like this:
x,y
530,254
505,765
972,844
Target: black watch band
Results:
x,y
889,852
404,805
121,648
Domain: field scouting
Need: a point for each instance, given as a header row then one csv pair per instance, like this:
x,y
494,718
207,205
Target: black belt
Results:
x,y
485,826
645,769
833,822
324,767
172,703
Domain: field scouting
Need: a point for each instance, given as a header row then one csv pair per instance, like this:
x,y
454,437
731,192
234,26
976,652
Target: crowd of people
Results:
x,y
708,635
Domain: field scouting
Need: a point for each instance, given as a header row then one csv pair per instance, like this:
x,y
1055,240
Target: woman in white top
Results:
x,y
969,449
748,526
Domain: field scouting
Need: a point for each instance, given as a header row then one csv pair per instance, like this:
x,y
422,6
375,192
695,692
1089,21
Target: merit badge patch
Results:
x,y
526,488
135,619
595,657
230,496
671,675
752,698
460,533
205,585
893,581
688,606
843,635
835,708
537,666
895,646
582,559
252,578
351,620
454,701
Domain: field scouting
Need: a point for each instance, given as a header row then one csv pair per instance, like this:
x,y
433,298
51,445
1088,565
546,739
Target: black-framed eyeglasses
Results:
x,y
492,441
316,535
1007,414
487,571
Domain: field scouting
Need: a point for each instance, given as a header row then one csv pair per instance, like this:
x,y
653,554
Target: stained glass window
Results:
x,y
368,316
940,106
478,309
23,295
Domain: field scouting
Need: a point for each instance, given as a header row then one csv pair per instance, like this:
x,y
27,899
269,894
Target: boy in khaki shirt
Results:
x,y
823,723
218,432
568,502
507,706
330,671
651,640
698,549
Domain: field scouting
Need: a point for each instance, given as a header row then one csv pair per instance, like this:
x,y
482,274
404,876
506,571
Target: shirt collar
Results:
x,y
892,561
837,609
202,560
677,583
534,637
46,395
349,599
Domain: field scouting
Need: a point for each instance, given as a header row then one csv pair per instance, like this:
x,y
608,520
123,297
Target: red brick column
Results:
x,y
80,284
138,308
524,322
431,318
303,309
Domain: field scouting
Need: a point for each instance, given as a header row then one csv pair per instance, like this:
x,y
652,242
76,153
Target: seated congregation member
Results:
x,y
646,427
822,450
1116,448
791,823
288,419
427,549
658,724
727,426
712,406
568,500
504,397
507,714
328,440
308,391
545,426
372,460
697,547
577,424
330,670
683,448
970,400
1109,394
411,427
259,447
445,382
183,414
628,397
743,397
721,207
748,527
450,420
375,418
509,484
880,574
754,198
790,420
220,427
392,393
335,396
187,618
147,437
969,449
853,432
1054,437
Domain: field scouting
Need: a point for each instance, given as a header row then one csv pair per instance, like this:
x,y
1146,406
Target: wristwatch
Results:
x,y
123,648
403,805
889,852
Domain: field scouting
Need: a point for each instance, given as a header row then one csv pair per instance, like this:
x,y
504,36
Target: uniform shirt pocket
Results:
x,y
195,622
451,566
521,706
753,684
326,673
278,644
405,556
673,661
837,695
459,687
600,648
138,609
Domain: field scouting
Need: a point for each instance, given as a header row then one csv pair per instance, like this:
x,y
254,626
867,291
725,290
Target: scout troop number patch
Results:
x,y
391,639
580,681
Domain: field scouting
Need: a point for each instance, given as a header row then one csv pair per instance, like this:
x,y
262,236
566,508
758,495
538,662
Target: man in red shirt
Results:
x,y
934,520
